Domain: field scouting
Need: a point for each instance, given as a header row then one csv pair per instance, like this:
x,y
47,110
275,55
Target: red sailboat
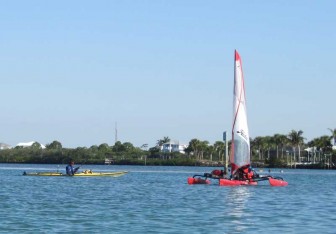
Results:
x,y
241,171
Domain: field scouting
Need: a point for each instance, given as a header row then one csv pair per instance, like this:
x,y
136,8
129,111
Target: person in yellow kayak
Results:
x,y
70,170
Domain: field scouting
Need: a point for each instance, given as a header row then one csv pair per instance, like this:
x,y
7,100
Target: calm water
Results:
x,y
159,200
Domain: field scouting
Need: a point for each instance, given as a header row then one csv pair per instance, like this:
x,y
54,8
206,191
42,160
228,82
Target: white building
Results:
x,y
173,146
4,146
28,144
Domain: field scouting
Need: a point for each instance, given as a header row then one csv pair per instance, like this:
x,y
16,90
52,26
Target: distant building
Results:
x,y
333,142
28,144
173,146
4,146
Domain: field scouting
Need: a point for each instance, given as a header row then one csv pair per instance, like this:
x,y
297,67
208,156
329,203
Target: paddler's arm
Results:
x,y
76,169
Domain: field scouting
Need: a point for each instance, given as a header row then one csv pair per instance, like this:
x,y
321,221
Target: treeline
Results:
x,y
278,150
119,154
273,151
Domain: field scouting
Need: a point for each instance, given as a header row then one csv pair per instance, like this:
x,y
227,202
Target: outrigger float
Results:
x,y
241,171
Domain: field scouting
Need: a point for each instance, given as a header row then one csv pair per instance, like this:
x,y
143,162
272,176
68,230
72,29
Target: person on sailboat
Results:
x,y
217,173
245,173
70,170
251,174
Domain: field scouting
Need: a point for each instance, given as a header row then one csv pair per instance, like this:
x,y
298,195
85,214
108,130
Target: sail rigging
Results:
x,y
240,147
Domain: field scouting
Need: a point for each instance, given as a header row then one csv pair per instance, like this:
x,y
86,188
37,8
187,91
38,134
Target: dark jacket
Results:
x,y
70,170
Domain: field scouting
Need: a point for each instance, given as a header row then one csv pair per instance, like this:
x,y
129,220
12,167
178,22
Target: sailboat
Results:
x,y
241,171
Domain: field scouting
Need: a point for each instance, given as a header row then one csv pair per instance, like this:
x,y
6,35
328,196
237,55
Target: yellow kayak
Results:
x,y
86,173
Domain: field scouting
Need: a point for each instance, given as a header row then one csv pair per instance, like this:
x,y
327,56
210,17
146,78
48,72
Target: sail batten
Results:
x,y
240,147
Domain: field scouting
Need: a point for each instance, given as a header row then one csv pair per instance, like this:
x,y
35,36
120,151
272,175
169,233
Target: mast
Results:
x,y
240,146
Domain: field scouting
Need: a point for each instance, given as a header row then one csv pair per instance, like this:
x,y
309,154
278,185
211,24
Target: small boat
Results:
x,y
86,173
241,171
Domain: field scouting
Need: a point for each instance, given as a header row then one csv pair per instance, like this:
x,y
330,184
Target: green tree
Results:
x,y
202,147
333,135
282,141
154,151
268,144
118,147
265,144
194,147
257,143
323,143
103,147
128,146
55,145
279,141
36,145
210,150
94,148
219,147
160,142
296,139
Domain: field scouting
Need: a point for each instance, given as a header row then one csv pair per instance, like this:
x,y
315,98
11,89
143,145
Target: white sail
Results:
x,y
240,147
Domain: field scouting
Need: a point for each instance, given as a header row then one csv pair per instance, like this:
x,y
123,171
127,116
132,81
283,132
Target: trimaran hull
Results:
x,y
240,146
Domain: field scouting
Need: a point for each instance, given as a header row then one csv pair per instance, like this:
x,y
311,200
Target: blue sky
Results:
x,y
69,70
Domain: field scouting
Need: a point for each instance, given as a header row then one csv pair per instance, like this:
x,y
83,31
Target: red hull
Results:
x,y
226,182
192,180
276,182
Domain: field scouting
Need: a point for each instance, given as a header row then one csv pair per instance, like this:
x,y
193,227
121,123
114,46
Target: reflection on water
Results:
x,y
236,200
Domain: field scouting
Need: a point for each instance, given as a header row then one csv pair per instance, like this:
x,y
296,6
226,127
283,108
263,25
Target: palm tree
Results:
x,y
203,148
283,140
333,135
210,150
219,148
277,141
323,144
280,141
268,141
265,144
295,138
312,150
257,143
194,145
163,141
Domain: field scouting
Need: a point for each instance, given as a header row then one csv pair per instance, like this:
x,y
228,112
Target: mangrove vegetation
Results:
x,y
279,150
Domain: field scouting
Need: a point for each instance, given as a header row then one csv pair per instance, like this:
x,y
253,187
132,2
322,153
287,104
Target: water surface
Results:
x,y
159,200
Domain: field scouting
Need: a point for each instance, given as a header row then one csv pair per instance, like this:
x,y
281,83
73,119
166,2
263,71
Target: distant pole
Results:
x,y
226,153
